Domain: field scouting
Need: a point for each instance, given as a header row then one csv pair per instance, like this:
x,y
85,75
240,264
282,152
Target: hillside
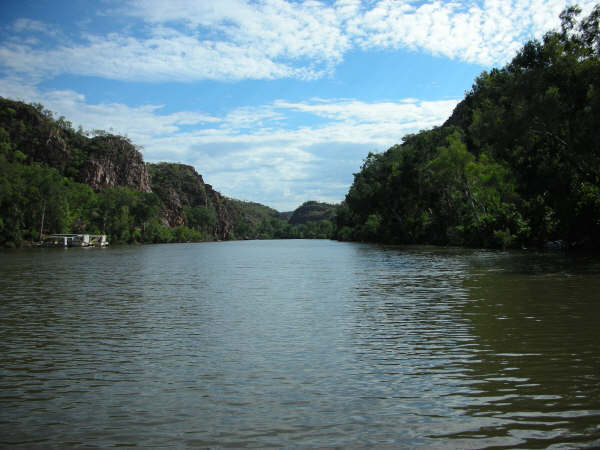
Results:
x,y
102,161
516,165
312,211
187,200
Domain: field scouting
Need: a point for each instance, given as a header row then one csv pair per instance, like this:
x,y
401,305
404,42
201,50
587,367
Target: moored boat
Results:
x,y
75,240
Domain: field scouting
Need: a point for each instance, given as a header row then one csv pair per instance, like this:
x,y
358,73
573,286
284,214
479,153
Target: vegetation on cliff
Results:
x,y
517,164
54,179
261,223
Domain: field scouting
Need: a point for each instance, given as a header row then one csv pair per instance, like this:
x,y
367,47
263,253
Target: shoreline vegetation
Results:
x,y
517,165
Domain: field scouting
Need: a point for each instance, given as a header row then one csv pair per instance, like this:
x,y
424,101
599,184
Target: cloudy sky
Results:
x,y
273,101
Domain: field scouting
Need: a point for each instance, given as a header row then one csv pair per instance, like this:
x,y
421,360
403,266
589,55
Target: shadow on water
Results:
x,y
536,379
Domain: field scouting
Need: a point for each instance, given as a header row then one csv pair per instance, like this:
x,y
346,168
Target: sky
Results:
x,y
272,101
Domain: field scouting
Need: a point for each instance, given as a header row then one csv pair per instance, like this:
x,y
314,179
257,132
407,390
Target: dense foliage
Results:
x,y
35,199
41,161
517,164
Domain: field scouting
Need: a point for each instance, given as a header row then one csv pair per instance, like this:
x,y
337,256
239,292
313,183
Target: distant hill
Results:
x,y
313,211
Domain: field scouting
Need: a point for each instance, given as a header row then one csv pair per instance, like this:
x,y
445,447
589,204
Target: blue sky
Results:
x,y
273,101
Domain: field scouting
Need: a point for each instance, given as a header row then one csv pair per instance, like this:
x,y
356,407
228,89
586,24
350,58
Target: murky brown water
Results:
x,y
298,344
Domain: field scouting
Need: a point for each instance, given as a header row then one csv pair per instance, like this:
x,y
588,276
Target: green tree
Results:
x,y
201,218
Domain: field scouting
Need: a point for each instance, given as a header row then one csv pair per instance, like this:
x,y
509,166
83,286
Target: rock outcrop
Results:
x,y
114,161
179,186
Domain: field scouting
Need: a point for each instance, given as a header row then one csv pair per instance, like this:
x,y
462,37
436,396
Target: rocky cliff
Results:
x,y
179,186
114,161
102,161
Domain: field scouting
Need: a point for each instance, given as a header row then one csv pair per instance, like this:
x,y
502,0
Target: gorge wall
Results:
x,y
106,161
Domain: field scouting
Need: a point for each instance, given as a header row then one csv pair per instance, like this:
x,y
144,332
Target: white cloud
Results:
x,y
177,57
189,40
352,111
24,24
484,33
279,28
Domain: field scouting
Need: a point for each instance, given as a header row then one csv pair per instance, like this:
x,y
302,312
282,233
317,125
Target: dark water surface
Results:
x,y
298,344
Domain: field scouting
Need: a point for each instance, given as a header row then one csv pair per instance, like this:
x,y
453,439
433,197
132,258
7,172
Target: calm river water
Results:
x,y
298,344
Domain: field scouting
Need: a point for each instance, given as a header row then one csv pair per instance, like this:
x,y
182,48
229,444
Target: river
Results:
x,y
298,344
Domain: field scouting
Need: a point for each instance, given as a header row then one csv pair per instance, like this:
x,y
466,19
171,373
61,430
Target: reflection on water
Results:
x,y
298,343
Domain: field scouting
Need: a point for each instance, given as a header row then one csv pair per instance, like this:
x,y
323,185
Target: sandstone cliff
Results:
x,y
102,161
114,161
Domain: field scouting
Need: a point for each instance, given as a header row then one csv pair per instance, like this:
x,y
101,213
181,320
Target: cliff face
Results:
x,y
114,161
226,214
103,161
179,186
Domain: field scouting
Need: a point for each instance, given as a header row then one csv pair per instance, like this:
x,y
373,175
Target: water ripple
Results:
x,y
298,344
